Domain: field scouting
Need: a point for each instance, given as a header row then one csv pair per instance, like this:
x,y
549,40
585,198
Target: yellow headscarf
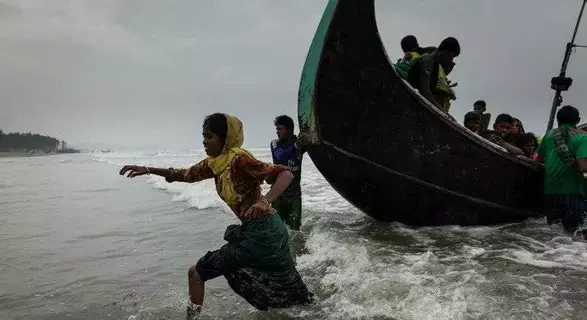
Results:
x,y
220,164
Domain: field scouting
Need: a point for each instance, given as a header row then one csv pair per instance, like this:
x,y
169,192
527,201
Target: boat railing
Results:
x,y
472,135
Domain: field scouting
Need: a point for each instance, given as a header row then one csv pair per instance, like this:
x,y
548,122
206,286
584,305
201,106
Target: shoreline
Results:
x,y
20,154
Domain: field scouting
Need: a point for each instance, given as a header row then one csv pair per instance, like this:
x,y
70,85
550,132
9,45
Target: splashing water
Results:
x,y
79,241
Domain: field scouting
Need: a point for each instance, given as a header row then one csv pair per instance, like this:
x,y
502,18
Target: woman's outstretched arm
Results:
x,y
197,172
136,171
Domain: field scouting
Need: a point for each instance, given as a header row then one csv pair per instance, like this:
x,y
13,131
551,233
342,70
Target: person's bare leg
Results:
x,y
196,289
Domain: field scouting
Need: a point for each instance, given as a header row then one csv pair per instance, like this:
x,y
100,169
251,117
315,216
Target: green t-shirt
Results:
x,y
560,178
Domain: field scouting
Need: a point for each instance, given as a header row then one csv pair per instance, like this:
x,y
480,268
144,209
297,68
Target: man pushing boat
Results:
x,y
564,152
286,150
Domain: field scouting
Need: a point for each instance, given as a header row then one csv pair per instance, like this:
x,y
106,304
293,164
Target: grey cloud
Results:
x,y
146,72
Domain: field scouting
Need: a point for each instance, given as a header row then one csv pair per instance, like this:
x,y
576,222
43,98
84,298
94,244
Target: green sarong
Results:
x,y
259,265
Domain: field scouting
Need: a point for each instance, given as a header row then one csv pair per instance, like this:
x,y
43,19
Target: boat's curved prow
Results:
x,y
306,114
359,16
386,149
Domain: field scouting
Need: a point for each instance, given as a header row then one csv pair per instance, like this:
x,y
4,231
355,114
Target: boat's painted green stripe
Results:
x,y
306,116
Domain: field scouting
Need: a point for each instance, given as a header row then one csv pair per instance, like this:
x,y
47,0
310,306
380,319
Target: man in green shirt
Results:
x,y
564,152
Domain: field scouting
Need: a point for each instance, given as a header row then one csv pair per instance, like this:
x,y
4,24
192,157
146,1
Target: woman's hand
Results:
x,y
134,171
258,209
282,180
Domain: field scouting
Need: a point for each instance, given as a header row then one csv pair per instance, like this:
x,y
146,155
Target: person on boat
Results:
x,y
286,151
444,92
500,133
564,153
412,51
256,261
472,121
517,126
424,72
528,143
480,106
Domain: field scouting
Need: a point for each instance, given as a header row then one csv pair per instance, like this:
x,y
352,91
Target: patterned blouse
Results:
x,y
247,174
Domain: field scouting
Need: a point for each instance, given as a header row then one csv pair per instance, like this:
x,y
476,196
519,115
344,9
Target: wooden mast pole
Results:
x,y
562,83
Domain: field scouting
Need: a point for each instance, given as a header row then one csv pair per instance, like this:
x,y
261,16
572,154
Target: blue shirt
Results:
x,y
288,154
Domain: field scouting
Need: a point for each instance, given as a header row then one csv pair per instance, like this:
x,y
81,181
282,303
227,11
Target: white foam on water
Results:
x,y
560,252
360,282
355,276
318,195
199,195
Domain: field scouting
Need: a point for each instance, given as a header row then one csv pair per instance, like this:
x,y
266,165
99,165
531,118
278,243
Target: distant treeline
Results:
x,y
29,142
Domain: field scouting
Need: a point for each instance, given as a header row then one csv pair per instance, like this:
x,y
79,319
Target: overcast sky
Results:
x,y
136,72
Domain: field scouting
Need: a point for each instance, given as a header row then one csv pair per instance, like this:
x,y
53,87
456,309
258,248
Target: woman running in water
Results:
x,y
256,261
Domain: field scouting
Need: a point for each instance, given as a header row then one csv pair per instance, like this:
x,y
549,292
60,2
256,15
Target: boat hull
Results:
x,y
388,195
387,150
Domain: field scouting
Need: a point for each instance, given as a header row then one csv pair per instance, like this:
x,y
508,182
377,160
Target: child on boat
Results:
x,y
412,51
480,106
501,131
528,143
518,127
472,121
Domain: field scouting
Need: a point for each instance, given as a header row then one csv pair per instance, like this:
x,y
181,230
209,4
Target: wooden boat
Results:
x,y
387,150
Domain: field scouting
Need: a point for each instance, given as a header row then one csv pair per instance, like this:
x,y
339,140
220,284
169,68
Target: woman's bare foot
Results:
x,y
193,311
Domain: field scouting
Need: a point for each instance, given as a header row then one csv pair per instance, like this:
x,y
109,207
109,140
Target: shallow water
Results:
x,y
80,242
